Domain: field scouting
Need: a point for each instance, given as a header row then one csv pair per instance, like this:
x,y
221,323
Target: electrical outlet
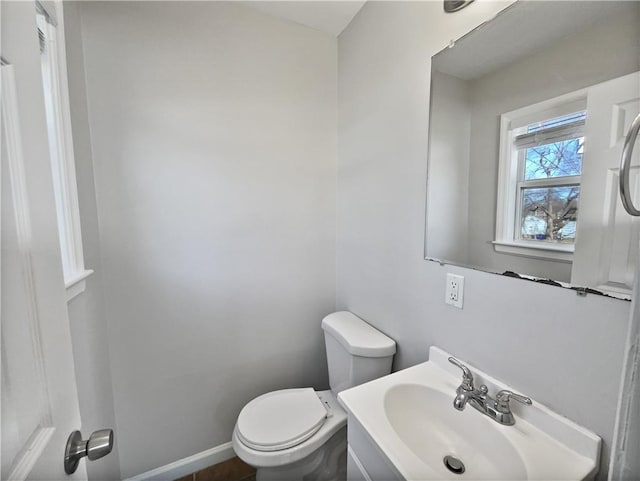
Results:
x,y
454,291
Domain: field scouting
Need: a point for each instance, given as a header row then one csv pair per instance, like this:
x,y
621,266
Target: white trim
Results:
x,y
187,465
508,195
80,277
564,181
559,253
49,8
548,109
61,147
506,171
77,284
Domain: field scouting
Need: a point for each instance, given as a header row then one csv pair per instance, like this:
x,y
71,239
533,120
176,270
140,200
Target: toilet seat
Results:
x,y
281,419
336,420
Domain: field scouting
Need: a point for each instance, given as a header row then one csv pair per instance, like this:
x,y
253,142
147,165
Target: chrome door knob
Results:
x,y
99,444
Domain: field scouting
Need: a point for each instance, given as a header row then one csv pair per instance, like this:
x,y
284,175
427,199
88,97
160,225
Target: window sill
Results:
x,y
551,253
77,284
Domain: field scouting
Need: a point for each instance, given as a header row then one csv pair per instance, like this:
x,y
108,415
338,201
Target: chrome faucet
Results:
x,y
497,409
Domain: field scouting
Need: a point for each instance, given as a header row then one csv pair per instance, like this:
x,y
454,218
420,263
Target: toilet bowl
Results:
x,y
269,449
299,433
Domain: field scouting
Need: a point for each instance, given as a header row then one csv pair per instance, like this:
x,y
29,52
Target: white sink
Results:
x,y
410,416
425,421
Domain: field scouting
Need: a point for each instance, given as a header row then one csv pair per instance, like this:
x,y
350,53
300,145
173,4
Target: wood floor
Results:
x,y
233,469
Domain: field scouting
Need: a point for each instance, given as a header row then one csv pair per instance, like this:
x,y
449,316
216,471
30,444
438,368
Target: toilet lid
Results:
x,y
281,419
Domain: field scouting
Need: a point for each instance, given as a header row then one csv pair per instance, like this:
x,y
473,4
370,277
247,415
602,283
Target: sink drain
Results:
x,y
454,464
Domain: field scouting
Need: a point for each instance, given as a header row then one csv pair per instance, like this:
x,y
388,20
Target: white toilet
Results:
x,y
301,433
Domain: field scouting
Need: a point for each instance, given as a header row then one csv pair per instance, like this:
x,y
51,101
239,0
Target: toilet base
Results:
x,y
329,463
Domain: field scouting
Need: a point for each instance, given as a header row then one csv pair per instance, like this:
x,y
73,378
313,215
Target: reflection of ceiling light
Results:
x,y
451,6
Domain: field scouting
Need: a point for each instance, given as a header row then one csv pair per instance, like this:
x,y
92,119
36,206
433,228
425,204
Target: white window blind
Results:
x,y
550,135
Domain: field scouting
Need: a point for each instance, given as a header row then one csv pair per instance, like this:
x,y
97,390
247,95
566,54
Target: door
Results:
x,y
39,394
624,461
607,237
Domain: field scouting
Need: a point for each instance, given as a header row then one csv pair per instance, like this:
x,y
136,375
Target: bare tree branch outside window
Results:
x,y
550,213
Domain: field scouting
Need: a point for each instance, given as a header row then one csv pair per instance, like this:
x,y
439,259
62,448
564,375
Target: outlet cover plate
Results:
x,y
454,292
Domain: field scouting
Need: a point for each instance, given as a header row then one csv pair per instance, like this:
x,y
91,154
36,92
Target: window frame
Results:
x,y
49,16
511,178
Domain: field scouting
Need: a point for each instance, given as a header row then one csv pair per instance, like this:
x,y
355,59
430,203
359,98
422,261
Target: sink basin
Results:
x,y
425,421
407,420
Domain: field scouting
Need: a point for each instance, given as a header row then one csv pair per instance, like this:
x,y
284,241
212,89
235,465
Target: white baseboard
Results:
x,y
191,464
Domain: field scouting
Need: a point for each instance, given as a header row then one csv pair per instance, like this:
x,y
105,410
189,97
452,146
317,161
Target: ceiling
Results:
x,y
521,30
327,16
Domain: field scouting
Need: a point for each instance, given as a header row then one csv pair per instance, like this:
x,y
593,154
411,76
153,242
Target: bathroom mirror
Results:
x,y
528,117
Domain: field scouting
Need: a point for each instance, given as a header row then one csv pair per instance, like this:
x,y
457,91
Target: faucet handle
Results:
x,y
503,397
467,377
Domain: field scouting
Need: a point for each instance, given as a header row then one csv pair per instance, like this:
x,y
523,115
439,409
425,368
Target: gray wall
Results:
x,y
86,311
544,341
214,145
447,232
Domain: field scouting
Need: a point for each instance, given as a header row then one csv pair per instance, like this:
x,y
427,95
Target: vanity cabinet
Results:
x,y
365,461
405,426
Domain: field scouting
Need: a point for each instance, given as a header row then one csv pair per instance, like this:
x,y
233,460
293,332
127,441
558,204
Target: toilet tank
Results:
x,y
356,351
